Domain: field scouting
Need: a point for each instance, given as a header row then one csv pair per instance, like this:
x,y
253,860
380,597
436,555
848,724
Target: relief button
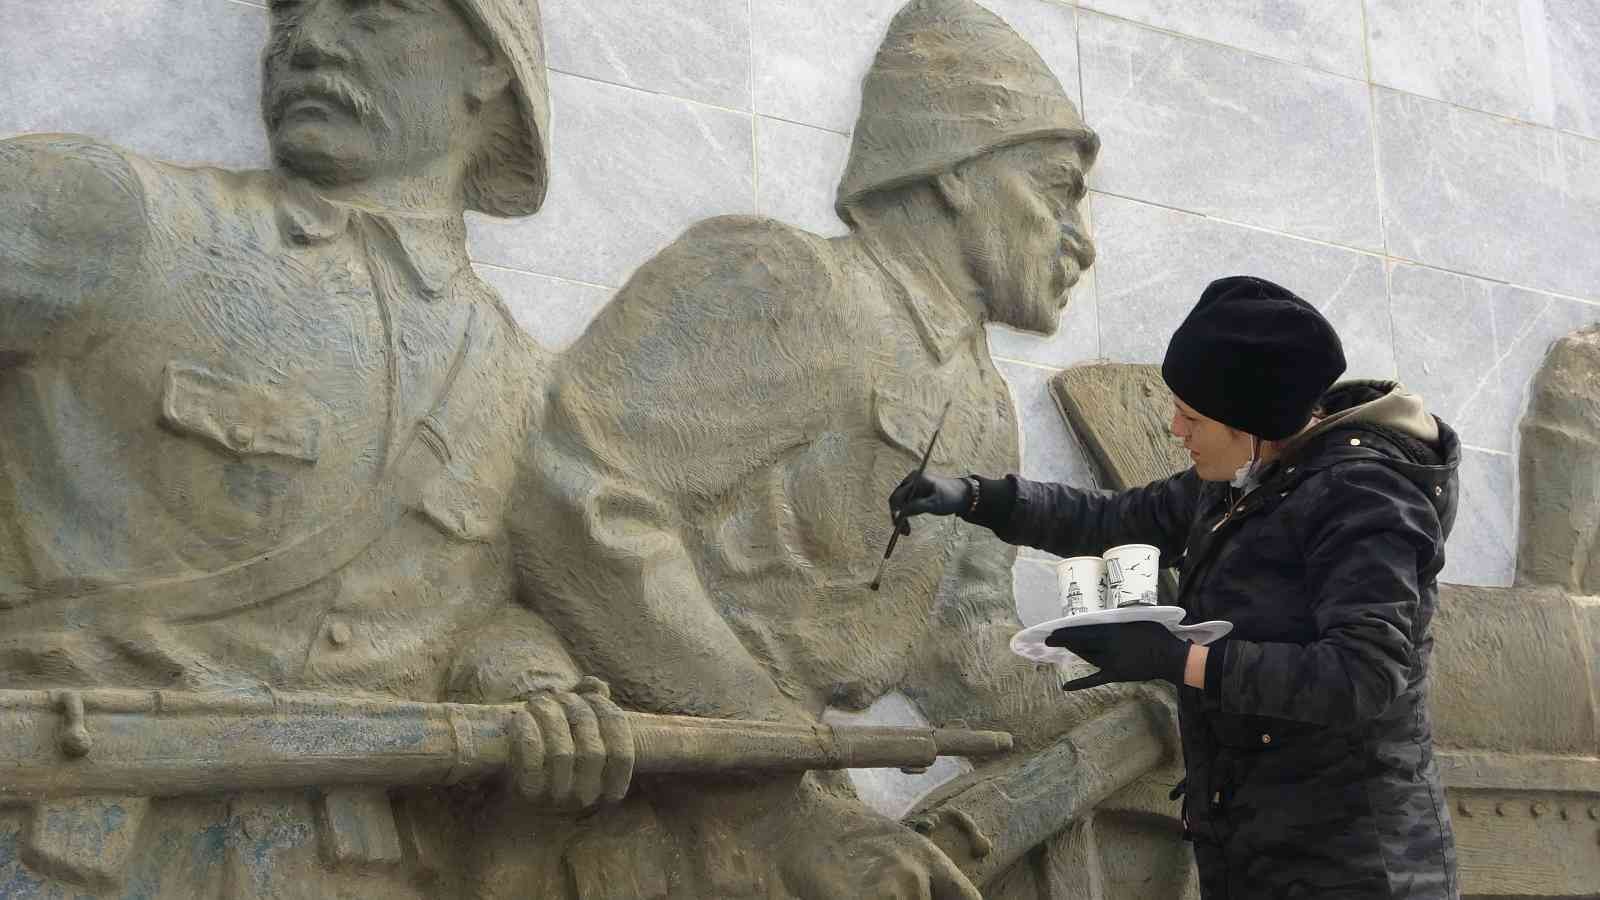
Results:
x,y
241,437
339,634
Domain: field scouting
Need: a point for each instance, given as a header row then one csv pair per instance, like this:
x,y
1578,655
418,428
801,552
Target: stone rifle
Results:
x,y
163,743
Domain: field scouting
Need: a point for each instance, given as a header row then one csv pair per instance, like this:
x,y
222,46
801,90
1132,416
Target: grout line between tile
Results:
x,y
1349,249
248,3
1359,80
578,281
1466,446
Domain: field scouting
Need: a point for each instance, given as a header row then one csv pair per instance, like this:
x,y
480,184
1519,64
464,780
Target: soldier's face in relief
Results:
x,y
1020,229
358,88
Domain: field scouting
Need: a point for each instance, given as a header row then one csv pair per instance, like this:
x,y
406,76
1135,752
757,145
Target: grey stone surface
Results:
x,y
1483,195
695,49
178,79
1154,262
1477,54
1325,34
1225,133
554,311
1573,27
1482,549
797,169
1471,347
634,169
810,56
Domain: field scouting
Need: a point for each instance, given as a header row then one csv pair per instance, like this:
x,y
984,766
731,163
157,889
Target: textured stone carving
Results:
x,y
277,478
1517,730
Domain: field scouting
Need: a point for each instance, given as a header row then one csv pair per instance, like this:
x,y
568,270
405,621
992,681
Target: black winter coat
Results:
x,y
1309,753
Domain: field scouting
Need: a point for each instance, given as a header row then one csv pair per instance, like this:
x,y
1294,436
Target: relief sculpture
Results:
x,y
318,579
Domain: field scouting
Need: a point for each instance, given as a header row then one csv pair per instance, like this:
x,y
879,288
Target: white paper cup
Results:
x,y
1083,584
1132,571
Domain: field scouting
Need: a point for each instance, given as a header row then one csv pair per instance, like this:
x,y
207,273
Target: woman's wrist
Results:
x,y
1194,669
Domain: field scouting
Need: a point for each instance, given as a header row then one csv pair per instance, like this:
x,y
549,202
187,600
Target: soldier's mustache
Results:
x,y
323,87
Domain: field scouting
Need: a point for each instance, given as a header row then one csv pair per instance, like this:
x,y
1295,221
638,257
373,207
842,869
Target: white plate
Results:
x,y
1029,642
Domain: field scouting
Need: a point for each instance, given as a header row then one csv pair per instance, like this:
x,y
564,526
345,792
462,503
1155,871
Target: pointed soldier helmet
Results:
x,y
511,178
951,82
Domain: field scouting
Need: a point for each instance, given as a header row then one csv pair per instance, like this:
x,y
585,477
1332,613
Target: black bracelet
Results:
x,y
975,488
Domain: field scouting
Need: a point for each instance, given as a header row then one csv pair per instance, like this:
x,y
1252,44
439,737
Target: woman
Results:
x,y
1314,520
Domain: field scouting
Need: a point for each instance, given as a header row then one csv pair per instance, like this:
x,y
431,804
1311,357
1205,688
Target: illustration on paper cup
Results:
x,y
1131,574
1083,581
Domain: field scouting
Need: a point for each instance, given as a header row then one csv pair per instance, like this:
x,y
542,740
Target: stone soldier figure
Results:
x,y
261,427
719,441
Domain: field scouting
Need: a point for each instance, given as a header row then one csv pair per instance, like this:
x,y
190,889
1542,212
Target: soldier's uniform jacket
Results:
x,y
249,434
250,437
718,447
1309,753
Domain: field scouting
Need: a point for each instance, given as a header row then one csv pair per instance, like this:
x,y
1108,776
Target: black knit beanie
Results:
x,y
1254,357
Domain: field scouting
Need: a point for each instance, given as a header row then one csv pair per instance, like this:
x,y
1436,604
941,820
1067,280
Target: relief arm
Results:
x,y
604,560
72,231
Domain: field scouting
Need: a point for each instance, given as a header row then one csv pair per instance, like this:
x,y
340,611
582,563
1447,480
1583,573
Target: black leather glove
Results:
x,y
1129,651
936,494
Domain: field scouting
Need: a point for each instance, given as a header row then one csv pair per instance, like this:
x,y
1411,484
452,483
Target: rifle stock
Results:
x,y
158,743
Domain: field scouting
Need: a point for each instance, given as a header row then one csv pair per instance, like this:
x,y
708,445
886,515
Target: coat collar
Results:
x,y
431,245
942,322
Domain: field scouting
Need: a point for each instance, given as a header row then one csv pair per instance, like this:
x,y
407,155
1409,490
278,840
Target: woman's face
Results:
x,y
1217,450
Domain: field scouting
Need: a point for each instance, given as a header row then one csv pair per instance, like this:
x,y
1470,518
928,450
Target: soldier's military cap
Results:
x,y
952,81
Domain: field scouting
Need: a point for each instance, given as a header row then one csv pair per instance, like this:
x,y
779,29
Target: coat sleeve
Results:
x,y
1370,529
72,229
1069,521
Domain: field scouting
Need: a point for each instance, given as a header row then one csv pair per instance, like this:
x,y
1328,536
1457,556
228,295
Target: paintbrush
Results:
x,y
900,520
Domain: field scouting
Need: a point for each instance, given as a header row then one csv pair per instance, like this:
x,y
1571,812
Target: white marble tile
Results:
x,y
1221,132
1482,548
1155,262
553,311
1050,450
1470,347
1477,53
178,80
1036,591
811,55
798,168
1573,27
1325,34
1487,196
631,171
695,49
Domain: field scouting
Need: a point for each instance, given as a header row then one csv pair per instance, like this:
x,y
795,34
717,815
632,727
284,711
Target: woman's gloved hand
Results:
x,y
1127,651
938,495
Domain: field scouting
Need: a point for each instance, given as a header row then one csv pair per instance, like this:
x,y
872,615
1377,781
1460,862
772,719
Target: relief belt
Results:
x,y
160,743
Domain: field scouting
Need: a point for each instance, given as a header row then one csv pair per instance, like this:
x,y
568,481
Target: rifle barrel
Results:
x,y
154,743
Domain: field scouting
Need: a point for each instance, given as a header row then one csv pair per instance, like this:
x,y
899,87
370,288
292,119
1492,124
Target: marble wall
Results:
x,y
1427,171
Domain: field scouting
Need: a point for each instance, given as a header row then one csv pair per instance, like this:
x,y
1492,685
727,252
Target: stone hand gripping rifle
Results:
x,y
71,748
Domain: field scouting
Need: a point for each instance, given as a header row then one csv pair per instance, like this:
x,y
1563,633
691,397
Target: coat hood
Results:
x,y
1382,420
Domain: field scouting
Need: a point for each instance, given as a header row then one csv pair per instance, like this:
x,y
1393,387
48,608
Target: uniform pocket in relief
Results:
x,y
241,417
